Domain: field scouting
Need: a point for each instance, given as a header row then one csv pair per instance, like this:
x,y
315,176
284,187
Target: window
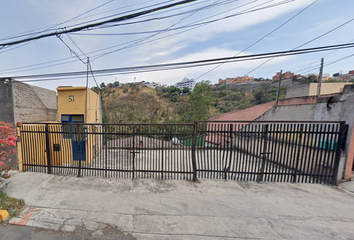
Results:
x,y
70,129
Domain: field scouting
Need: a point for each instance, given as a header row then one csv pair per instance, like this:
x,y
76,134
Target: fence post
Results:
x,y
298,153
338,153
79,138
194,162
133,167
227,167
162,150
104,130
49,165
264,154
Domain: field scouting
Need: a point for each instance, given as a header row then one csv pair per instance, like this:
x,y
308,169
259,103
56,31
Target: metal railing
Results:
x,y
245,151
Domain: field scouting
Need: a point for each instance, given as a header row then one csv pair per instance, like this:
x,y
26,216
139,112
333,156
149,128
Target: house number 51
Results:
x,y
71,98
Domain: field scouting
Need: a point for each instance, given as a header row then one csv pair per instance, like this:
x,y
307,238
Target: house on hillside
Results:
x,y
71,138
236,80
21,102
186,82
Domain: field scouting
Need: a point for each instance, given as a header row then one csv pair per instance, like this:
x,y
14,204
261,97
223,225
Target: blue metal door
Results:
x,y
76,134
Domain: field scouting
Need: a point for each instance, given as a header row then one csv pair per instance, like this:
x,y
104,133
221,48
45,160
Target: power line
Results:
x,y
148,37
252,9
170,66
297,14
88,26
350,20
31,33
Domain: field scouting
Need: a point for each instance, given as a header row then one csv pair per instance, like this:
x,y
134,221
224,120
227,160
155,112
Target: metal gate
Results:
x,y
244,151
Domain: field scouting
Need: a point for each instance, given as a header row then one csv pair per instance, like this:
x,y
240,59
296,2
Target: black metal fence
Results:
x,y
245,151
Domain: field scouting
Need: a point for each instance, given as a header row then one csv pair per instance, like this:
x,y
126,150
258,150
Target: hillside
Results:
x,y
128,104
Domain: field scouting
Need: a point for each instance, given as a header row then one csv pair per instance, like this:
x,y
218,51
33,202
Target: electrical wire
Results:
x,y
151,36
274,30
170,66
324,34
88,26
64,59
50,27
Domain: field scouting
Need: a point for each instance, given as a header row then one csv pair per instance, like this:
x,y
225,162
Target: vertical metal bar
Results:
x,y
307,158
257,140
338,153
231,142
79,138
298,145
49,167
239,152
194,164
286,154
133,168
105,155
162,151
264,157
329,160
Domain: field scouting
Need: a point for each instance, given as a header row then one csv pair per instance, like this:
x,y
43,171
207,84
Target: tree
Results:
x,y
174,89
102,85
8,140
116,84
185,90
201,102
174,96
95,89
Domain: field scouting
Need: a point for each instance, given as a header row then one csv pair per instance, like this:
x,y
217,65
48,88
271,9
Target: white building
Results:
x,y
189,83
153,85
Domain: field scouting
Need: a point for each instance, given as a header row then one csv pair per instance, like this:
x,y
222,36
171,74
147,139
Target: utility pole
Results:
x,y
320,80
277,97
87,77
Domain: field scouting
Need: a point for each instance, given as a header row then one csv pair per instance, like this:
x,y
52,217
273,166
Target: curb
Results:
x,y
3,215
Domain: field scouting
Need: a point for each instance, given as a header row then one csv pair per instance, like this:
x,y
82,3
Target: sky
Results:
x,y
241,27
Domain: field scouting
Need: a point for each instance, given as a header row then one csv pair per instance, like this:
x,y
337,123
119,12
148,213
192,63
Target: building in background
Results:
x,y
236,80
286,75
21,102
153,85
186,82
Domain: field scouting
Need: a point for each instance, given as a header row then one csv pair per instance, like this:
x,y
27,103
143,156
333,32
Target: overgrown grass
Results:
x,y
10,204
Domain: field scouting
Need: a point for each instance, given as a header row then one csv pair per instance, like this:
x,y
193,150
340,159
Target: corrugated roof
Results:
x,y
247,114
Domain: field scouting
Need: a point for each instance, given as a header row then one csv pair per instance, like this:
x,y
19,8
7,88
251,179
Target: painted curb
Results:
x,y
3,215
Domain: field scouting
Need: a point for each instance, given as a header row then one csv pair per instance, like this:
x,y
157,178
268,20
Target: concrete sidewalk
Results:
x,y
154,209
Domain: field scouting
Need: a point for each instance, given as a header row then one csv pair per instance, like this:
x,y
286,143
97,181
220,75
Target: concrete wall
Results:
x,y
33,104
327,88
311,89
6,110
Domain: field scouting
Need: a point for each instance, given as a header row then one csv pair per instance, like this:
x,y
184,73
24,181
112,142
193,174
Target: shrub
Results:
x,y
8,140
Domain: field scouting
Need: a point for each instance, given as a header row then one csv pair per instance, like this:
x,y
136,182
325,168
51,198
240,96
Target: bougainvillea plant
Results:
x,y
8,138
